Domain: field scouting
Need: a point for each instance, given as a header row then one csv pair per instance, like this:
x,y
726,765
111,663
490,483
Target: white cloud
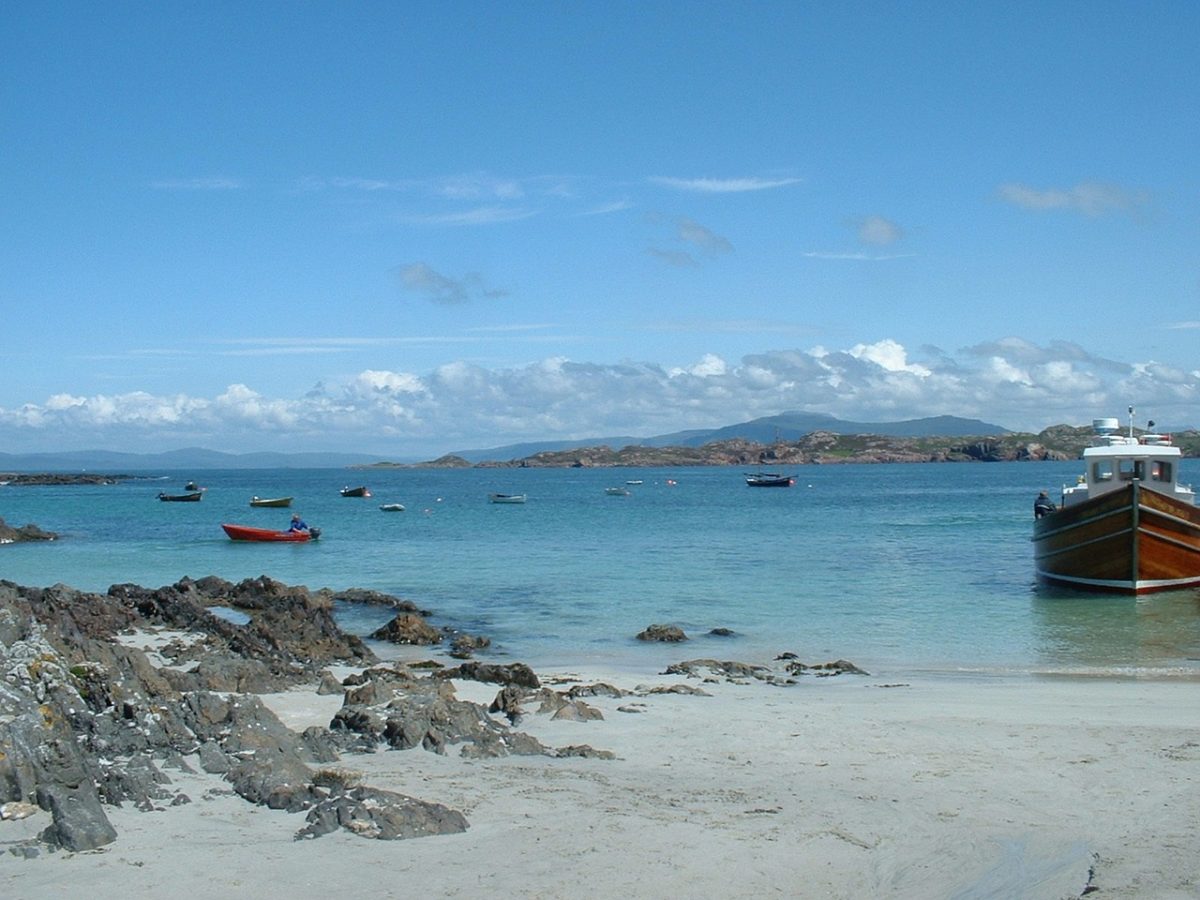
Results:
x,y
1090,198
461,405
878,231
707,240
479,215
213,183
723,185
889,355
856,257
438,288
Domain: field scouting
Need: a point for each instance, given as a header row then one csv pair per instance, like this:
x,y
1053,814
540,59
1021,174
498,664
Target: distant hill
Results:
x,y
789,426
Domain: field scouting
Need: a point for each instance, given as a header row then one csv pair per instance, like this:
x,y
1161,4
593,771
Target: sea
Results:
x,y
902,569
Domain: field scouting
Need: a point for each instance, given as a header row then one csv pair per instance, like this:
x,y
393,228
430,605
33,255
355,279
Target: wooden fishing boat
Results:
x,y
249,533
769,479
360,491
189,497
273,502
1127,525
506,498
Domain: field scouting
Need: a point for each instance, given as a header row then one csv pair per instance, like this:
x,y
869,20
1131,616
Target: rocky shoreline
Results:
x,y
104,696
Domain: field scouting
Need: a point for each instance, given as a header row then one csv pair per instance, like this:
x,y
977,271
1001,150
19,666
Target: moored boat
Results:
x,y
392,507
506,498
1127,525
617,491
769,479
273,502
189,497
250,533
360,491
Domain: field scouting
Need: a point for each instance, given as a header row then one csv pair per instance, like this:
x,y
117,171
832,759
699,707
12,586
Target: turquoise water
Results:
x,y
900,568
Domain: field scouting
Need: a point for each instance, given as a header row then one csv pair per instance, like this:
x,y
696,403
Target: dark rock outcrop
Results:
x,y
88,718
408,628
29,532
664,633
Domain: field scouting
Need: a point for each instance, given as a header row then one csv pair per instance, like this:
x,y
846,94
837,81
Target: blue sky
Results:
x,y
406,229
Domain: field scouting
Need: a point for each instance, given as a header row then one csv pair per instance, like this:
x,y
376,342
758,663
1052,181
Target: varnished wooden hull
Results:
x,y
1131,541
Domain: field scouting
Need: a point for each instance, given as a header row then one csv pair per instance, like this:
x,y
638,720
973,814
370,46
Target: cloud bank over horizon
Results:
x,y
461,405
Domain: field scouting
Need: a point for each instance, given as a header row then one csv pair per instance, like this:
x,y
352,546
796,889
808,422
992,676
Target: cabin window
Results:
x,y
1160,471
1102,470
1129,469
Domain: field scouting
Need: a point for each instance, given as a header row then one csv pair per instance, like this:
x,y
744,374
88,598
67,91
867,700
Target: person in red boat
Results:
x,y
298,524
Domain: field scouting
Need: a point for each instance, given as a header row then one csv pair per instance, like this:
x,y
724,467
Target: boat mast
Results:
x,y
1131,422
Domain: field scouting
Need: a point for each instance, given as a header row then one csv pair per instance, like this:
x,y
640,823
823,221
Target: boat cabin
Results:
x,y
1115,460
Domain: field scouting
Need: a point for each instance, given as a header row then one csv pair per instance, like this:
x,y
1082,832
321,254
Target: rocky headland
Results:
x,y
1061,442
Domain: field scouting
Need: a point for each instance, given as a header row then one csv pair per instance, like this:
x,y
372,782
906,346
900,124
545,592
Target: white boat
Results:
x,y
1127,525
635,481
392,507
617,492
506,498
273,502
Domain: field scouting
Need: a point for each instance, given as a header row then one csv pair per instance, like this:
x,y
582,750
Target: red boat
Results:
x,y
249,533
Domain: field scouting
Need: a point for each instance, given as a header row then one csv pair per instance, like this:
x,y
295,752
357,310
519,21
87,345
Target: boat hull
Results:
x,y
506,498
268,535
273,502
770,480
193,497
355,492
1130,541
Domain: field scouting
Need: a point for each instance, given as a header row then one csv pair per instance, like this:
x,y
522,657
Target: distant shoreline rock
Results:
x,y
21,479
29,532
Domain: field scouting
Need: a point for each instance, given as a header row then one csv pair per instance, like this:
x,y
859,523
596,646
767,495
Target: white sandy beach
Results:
x,y
838,787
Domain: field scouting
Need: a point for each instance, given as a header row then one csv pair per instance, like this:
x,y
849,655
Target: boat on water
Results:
x,y
250,533
392,507
635,481
189,497
506,498
617,491
1127,525
192,486
360,491
769,479
273,502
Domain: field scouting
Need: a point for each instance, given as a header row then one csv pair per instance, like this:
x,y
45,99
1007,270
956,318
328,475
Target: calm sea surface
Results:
x,y
899,568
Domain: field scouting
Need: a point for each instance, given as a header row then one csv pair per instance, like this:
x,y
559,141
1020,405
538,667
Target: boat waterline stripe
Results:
x,y
1120,583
